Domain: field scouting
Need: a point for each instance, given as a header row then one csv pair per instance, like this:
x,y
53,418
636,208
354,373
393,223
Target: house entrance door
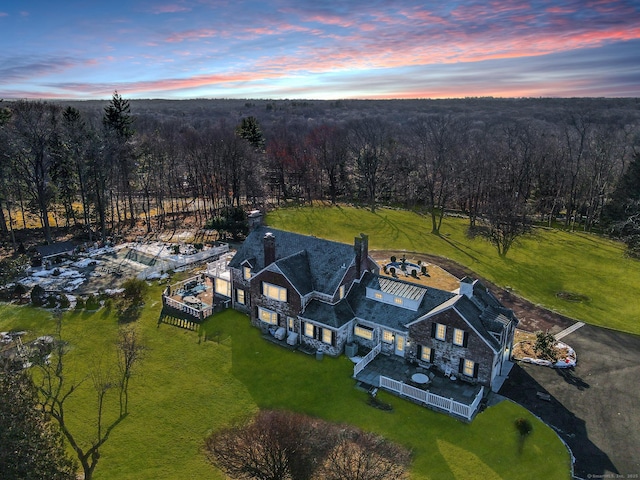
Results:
x,y
400,342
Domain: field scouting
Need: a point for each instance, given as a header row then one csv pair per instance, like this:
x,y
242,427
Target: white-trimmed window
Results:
x,y
397,300
223,287
240,296
440,331
267,316
309,330
468,368
378,296
363,332
246,273
387,336
425,354
327,336
458,337
341,292
274,292
292,323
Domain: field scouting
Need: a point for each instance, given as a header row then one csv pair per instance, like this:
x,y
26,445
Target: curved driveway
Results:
x,y
595,407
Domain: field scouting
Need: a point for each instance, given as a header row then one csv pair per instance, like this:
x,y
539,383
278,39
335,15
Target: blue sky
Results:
x,y
319,49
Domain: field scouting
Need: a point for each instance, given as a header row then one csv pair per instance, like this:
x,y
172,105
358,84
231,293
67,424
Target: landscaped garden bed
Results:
x,y
560,354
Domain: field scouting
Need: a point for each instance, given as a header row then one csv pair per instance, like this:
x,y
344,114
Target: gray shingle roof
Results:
x,y
55,249
387,314
330,315
325,259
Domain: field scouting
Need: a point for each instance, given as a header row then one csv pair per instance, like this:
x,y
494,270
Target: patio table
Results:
x,y
191,299
420,378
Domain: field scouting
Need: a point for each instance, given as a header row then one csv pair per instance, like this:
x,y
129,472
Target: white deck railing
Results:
x,y
358,367
448,404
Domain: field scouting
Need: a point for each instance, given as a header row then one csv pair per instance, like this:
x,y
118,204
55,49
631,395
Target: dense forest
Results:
x,y
504,163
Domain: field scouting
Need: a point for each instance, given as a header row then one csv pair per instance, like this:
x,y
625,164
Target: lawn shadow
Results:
x,y
590,461
453,244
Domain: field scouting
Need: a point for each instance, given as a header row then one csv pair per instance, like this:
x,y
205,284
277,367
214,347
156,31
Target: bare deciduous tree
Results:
x,y
280,445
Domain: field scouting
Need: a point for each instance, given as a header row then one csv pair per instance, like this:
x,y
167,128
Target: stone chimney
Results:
x,y
269,248
254,219
466,287
361,247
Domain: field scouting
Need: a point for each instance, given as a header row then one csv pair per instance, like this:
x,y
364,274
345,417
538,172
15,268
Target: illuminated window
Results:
x,y
240,296
468,367
292,323
378,296
398,300
246,273
309,329
274,292
387,336
458,337
363,332
341,293
223,287
425,355
326,336
441,331
267,316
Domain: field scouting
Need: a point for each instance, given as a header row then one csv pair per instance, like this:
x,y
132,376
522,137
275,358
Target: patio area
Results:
x,y
418,382
193,297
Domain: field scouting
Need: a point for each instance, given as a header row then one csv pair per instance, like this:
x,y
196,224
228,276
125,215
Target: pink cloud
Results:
x,y
4,14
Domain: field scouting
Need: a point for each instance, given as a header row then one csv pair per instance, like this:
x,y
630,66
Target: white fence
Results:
x,y
358,367
447,404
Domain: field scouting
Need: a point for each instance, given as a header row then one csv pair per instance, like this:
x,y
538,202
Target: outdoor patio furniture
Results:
x,y
420,378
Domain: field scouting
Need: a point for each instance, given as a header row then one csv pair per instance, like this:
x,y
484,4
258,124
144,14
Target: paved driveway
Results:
x,y
596,406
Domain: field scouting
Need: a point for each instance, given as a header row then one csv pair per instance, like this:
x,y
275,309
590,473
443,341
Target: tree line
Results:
x,y
105,170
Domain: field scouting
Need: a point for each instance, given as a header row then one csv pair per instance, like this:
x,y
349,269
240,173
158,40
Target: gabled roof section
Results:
x,y
472,315
334,316
326,260
387,314
296,269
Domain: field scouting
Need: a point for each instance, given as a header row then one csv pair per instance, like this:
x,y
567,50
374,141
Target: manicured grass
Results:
x,y
186,387
538,266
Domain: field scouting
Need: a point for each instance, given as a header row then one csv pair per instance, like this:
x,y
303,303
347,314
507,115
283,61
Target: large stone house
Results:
x,y
329,296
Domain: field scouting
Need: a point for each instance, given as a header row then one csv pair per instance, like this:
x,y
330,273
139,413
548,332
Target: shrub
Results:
x,y
545,346
79,303
92,303
64,301
38,296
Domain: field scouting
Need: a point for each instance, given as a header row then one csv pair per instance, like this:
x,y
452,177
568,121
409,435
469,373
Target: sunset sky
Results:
x,y
319,49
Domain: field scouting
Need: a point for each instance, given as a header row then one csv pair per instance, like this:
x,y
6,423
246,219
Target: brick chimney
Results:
x,y
269,248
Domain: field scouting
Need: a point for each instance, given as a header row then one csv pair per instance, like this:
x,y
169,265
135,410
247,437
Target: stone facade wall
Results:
x,y
238,282
340,339
446,353
290,308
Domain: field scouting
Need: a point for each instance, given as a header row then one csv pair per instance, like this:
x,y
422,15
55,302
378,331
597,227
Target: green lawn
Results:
x,y
186,388
538,267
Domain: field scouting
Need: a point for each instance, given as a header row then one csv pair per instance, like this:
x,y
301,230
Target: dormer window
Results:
x,y
397,301
341,292
246,273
